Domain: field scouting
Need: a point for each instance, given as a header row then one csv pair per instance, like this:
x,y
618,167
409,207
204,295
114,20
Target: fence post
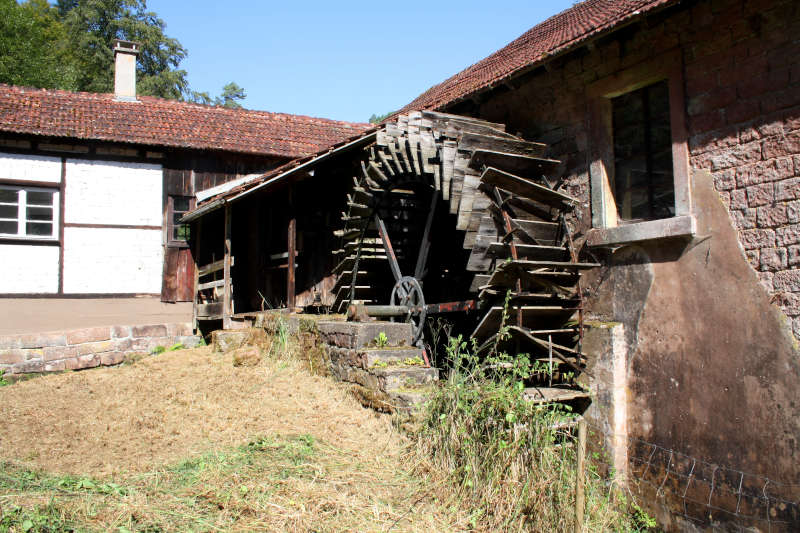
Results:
x,y
579,476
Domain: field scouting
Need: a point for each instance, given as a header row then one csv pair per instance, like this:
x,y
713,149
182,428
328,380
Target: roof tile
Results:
x,y
161,122
552,36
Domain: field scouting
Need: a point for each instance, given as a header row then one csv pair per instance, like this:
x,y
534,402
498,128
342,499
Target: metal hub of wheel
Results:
x,y
407,292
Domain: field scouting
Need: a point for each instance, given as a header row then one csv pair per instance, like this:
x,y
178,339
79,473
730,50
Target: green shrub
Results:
x,y
510,460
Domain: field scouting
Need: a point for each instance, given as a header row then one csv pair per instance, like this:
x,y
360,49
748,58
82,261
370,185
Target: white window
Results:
x,y
28,212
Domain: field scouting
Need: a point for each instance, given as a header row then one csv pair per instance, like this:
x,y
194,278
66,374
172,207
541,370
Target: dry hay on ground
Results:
x,y
198,444
168,407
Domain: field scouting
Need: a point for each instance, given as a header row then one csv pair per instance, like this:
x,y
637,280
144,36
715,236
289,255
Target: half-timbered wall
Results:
x,y
113,210
29,267
113,233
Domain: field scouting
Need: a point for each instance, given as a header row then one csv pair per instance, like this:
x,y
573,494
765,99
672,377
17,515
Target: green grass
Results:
x,y
233,488
512,463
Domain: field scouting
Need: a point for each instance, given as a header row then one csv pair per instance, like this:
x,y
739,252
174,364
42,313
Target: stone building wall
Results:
x,y
741,68
705,360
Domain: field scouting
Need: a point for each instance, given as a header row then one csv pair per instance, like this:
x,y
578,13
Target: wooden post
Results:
x,y
290,272
226,272
196,257
579,496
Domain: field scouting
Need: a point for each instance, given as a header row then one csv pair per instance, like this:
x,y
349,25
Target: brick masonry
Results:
x,y
88,347
741,69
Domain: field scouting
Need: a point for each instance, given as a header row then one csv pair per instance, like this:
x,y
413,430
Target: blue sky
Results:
x,y
342,60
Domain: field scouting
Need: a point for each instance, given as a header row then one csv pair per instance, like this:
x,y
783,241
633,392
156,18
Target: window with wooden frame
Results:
x,y
639,159
28,212
177,206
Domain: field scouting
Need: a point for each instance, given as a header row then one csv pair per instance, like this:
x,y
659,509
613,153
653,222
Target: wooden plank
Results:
x,y
491,321
436,116
210,311
169,281
348,262
486,234
427,148
502,250
227,310
385,163
398,152
374,172
291,237
527,188
566,265
543,232
358,210
412,150
457,182
478,281
449,159
186,275
507,277
197,243
216,266
210,285
553,394
476,141
346,277
468,192
478,261
513,162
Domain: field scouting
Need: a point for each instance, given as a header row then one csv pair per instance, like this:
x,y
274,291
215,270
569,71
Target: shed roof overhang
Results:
x,y
236,190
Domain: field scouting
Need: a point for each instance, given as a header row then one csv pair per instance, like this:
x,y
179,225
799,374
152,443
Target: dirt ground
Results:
x,y
135,417
38,315
202,445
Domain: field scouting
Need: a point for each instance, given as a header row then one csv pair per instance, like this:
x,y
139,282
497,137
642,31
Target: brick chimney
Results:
x,y
125,53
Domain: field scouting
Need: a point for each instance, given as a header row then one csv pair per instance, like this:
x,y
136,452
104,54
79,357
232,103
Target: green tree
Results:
x,y
377,119
231,94
69,46
92,26
33,46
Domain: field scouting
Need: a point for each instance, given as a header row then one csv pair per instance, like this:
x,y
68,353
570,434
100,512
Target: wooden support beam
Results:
x,y
290,272
197,240
227,310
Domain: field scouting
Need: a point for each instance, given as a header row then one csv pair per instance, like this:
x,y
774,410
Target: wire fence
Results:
x,y
708,494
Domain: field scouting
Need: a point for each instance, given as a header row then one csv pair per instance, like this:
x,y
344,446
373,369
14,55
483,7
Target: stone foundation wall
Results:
x,y
87,348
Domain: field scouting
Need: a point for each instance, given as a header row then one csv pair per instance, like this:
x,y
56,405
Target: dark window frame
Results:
x,y
171,225
607,227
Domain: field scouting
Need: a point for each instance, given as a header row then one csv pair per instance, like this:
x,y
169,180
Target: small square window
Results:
x,y
28,212
178,233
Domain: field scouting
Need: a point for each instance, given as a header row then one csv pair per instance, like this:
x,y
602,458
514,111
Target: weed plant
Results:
x,y
511,461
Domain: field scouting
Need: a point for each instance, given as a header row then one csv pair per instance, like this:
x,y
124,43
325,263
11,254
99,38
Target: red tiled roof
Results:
x,y
554,35
156,121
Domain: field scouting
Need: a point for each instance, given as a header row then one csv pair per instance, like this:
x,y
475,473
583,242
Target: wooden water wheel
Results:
x,y
453,214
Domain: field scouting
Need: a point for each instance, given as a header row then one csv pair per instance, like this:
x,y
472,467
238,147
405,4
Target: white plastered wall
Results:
x,y
29,268
106,192
113,260
24,167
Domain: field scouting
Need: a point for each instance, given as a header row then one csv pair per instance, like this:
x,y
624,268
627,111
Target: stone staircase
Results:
x,y
386,372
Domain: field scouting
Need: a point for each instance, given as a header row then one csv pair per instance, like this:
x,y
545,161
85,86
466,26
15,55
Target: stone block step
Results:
x,y
404,377
401,401
364,334
392,356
